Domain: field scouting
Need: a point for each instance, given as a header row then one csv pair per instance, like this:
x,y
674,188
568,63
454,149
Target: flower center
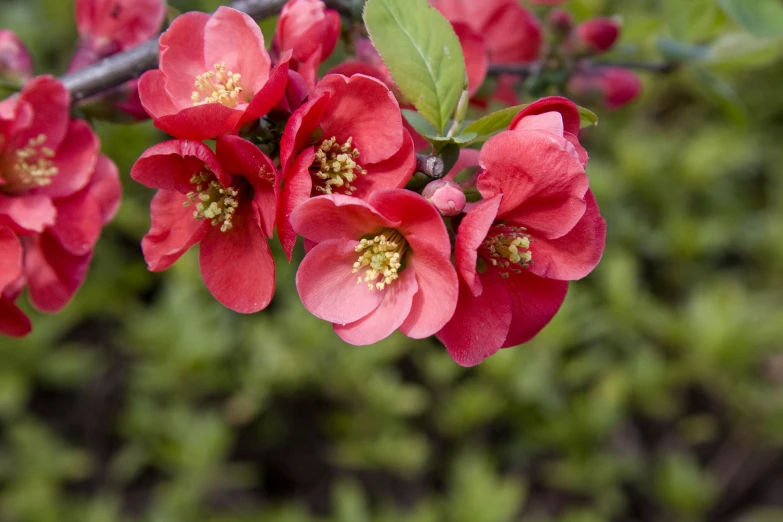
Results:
x,y
30,166
218,86
213,201
337,166
380,257
507,249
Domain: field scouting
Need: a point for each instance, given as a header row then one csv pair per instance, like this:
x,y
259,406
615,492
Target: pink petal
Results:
x,y
75,161
237,265
300,128
436,300
471,234
328,287
467,158
567,109
153,97
53,273
349,115
170,165
13,322
234,38
513,35
543,188
201,122
10,257
106,188
78,224
551,122
296,189
387,317
182,56
534,302
338,217
575,254
394,172
241,158
174,230
480,324
418,221
475,52
51,105
28,214
267,96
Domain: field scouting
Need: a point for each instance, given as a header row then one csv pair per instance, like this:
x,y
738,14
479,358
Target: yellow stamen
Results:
x,y
337,166
507,248
32,165
213,201
220,86
381,257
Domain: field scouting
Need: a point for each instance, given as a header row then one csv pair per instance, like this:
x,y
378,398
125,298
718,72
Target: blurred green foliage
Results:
x,y
655,395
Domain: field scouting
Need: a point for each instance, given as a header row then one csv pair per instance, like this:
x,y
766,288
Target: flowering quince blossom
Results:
x,y
215,75
348,139
376,266
15,60
310,31
598,35
537,228
611,86
225,201
56,193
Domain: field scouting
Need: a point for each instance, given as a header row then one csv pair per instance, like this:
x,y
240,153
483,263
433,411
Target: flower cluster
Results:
x,y
334,160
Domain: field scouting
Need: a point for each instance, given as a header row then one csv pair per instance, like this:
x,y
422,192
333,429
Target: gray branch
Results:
x,y
431,166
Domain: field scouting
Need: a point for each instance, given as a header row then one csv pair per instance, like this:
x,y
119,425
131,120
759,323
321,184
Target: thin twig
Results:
x,y
128,65
524,69
431,166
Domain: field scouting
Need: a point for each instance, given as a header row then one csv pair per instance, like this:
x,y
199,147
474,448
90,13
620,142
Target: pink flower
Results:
x,y
598,35
511,33
537,228
13,322
118,24
611,86
15,60
225,201
310,31
214,76
335,144
376,266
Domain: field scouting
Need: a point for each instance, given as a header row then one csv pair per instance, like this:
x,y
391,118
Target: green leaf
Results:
x,y
762,18
742,51
418,122
491,123
692,20
423,55
587,118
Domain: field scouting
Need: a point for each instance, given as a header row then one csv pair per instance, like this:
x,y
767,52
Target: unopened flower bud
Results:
x,y
611,86
560,22
446,196
15,61
598,34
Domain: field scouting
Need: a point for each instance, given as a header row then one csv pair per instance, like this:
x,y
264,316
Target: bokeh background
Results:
x,y
655,395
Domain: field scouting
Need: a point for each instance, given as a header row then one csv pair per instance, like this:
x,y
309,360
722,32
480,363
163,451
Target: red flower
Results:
x,y
14,58
226,201
310,31
598,35
118,24
13,322
611,86
537,228
376,266
348,139
214,76
512,34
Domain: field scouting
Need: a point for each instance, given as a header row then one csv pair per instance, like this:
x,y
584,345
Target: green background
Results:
x,y
655,395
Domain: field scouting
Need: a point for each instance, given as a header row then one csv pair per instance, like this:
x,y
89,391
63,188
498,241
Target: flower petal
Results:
x,y
337,217
394,172
237,265
170,165
51,103
328,287
296,189
267,96
201,122
567,109
10,257
174,230
419,222
471,234
480,324
13,322
53,273
28,214
534,302
182,56
75,161
575,254
387,317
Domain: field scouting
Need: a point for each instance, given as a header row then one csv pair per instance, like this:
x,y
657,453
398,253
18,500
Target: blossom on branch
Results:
x,y
376,266
215,76
334,144
226,201
15,60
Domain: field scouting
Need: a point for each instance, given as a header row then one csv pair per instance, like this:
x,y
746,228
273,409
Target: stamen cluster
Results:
x,y
381,257
506,247
220,86
213,201
33,165
337,166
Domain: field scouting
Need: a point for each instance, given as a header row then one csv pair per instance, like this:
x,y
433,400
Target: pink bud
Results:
x,y
612,86
307,27
14,58
446,196
599,34
560,21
